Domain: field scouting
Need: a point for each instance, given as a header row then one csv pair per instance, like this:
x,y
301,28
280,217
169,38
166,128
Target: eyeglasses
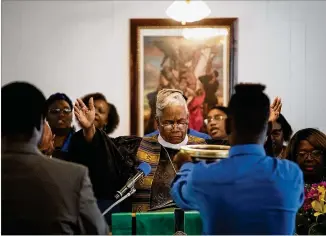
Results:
x,y
314,154
179,126
216,118
58,110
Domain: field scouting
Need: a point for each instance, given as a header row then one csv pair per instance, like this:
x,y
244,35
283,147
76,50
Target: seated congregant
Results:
x,y
109,166
172,119
215,125
308,149
106,115
280,134
249,192
58,109
275,111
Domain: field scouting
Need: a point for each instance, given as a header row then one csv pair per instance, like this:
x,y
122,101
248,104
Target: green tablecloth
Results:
x,y
154,223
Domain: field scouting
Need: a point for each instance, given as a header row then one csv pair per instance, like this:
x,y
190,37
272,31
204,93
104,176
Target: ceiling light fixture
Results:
x,y
187,11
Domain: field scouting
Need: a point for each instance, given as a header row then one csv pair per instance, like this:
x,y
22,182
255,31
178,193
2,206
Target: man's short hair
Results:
x,y
169,97
249,108
22,109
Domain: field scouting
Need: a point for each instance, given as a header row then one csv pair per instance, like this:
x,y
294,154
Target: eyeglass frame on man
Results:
x,y
175,124
209,120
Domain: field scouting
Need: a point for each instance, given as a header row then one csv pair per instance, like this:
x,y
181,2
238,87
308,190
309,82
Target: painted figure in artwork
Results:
x,y
192,66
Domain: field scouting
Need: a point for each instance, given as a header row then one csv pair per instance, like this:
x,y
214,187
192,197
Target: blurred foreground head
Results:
x,y
22,112
249,110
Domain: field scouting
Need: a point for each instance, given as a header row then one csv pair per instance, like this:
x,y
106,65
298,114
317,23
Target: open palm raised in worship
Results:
x,y
85,115
275,109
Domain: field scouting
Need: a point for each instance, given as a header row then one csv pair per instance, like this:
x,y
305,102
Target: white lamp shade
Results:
x,y
188,11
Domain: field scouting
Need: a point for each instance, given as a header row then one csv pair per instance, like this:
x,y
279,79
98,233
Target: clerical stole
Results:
x,y
149,151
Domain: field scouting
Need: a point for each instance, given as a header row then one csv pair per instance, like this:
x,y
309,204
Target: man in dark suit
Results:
x,y
40,195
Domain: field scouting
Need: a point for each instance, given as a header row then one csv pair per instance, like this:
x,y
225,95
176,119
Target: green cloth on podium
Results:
x,y
193,223
155,223
122,224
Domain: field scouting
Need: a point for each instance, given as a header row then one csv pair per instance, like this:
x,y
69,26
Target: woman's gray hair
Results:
x,y
169,97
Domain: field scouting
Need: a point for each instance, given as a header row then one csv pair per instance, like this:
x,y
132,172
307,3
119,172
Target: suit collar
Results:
x,y
20,147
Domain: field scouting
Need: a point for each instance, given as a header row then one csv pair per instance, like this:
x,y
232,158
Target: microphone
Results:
x,y
143,170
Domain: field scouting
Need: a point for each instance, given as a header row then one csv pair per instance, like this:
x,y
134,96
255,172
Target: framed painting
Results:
x,y
198,58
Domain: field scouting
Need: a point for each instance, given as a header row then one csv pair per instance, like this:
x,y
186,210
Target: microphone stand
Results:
x,y
131,192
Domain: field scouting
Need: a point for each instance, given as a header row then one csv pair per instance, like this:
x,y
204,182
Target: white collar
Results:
x,y
171,145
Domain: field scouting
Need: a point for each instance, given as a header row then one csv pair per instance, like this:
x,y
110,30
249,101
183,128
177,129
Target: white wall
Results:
x,y
79,47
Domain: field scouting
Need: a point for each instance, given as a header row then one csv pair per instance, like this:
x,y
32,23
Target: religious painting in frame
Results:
x,y
197,58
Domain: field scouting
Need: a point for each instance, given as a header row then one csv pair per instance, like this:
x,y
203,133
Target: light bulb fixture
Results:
x,y
188,11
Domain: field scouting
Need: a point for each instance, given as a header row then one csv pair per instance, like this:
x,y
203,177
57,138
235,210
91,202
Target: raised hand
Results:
x,y
275,109
85,115
47,142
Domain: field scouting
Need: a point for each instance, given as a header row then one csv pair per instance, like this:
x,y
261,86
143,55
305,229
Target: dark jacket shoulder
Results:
x,y
46,196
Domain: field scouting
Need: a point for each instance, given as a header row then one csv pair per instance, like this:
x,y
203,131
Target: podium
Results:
x,y
157,223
